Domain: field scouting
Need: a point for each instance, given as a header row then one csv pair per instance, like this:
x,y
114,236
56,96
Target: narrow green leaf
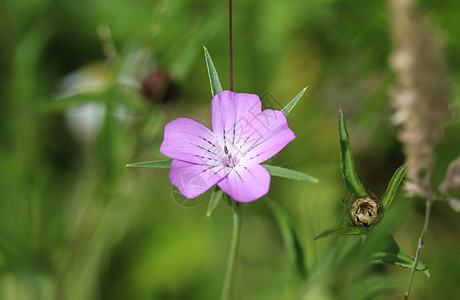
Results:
x,y
393,186
325,233
392,254
355,231
287,109
162,164
290,237
347,230
216,87
352,182
290,174
215,198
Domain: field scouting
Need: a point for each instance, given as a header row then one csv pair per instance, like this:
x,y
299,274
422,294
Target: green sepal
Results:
x,y
287,109
393,186
159,164
343,231
290,174
393,255
216,87
291,239
215,198
352,181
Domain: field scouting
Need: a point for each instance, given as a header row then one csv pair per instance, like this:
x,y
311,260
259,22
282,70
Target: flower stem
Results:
x,y
230,42
429,202
237,220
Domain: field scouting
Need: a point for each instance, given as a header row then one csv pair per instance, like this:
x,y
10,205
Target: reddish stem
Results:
x,y
231,44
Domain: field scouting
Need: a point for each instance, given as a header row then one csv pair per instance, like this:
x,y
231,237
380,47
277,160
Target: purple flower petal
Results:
x,y
246,182
193,180
231,113
270,133
188,140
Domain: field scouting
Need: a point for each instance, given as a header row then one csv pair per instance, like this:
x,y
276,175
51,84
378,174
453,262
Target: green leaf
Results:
x,y
216,87
392,254
342,230
393,186
290,238
290,174
325,233
355,231
287,109
161,164
352,182
215,198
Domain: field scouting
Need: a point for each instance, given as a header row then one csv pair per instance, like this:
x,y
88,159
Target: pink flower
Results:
x,y
243,137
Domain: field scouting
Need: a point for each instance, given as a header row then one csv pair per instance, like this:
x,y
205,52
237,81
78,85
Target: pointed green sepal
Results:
x,y
392,254
290,174
159,164
393,186
215,198
216,87
291,239
352,182
287,109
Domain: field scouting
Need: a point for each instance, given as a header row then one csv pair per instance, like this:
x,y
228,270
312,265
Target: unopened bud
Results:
x,y
157,86
365,211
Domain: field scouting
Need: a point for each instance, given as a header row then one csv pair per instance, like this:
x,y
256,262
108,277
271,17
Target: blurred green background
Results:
x,y
87,86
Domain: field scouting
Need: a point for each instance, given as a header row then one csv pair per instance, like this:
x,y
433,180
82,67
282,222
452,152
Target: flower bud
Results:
x,y
365,211
157,86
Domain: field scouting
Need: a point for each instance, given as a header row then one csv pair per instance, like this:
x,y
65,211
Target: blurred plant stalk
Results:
x,y
421,100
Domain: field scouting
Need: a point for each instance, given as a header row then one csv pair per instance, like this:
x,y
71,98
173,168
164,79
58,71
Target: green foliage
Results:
x,y
393,186
352,181
163,164
287,109
214,81
392,254
346,230
289,174
216,197
295,252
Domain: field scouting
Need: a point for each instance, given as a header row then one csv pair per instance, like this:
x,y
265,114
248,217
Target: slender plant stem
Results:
x,y
230,42
237,220
429,202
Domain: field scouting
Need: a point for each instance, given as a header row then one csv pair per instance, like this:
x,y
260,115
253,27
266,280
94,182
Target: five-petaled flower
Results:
x,y
243,137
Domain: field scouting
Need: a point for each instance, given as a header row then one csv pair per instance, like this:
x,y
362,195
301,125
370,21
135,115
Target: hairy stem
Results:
x,y
230,42
237,220
429,202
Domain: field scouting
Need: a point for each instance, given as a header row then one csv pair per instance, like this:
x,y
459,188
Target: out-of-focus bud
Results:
x,y
451,183
157,86
365,211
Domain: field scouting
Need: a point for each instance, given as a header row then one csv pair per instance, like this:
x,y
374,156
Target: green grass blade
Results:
x,y
352,182
160,164
290,174
287,109
290,237
215,198
393,186
216,87
392,254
